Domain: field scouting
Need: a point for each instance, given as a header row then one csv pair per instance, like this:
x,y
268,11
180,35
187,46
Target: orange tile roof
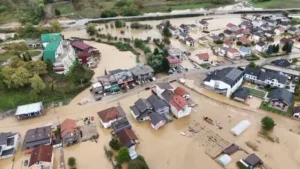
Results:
x,y
178,102
180,91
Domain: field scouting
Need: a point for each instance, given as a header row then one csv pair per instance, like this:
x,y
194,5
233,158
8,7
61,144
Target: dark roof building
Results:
x,y
165,86
127,137
253,160
228,75
36,137
241,94
142,105
231,149
42,153
281,63
157,120
167,95
156,102
120,124
80,45
282,95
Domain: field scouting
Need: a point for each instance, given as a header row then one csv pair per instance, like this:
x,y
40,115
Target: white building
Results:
x,y
29,110
161,87
9,143
233,53
179,106
110,115
261,47
224,81
259,77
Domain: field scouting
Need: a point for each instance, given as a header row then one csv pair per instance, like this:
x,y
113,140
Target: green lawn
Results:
x,y
66,8
276,4
265,106
34,52
6,55
255,92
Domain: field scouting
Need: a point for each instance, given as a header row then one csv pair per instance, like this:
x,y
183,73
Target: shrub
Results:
x,y
119,24
239,43
114,144
71,162
108,13
267,123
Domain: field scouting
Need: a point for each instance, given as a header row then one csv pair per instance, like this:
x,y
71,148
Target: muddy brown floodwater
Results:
x,y
166,148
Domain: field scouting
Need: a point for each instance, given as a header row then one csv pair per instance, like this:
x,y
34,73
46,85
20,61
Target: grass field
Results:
x,y
66,8
276,4
257,93
9,54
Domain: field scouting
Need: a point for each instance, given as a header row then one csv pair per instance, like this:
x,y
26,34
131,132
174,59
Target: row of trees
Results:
x,y
273,49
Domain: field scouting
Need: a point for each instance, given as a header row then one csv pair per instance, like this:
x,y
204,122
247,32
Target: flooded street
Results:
x,y
166,148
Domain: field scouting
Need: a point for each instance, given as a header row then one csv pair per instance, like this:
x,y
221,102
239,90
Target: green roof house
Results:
x,y
58,51
50,42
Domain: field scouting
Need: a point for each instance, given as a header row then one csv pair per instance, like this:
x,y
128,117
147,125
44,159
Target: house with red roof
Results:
x,y
110,115
173,61
203,58
227,43
182,92
179,106
232,27
42,157
232,53
69,132
244,41
84,57
80,46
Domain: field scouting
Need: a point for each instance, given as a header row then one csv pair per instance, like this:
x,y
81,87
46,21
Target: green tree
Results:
x,y
166,40
289,47
267,123
72,162
119,24
138,163
49,66
276,49
91,29
270,50
123,155
57,12
19,48
15,77
108,13
55,26
166,32
156,51
115,144
37,83
253,65
165,65
295,60
47,1
79,74
138,43
36,67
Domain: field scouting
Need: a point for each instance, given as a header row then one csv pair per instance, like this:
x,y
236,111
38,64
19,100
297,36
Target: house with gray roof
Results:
x,y
9,143
141,110
159,106
36,137
272,79
241,95
224,81
281,99
142,73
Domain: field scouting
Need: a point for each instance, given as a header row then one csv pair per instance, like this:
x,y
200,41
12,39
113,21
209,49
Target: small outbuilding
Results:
x,y
29,110
241,95
296,112
231,149
241,127
224,160
253,160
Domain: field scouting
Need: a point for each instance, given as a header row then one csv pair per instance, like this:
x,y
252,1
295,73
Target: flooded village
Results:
x,y
206,111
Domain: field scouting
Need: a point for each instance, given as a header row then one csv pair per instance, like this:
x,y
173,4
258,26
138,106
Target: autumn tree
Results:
x,y
37,83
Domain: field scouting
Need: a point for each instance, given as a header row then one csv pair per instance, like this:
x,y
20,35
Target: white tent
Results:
x,y
224,160
241,127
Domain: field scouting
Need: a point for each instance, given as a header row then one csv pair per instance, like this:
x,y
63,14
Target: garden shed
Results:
x,y
224,160
241,127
